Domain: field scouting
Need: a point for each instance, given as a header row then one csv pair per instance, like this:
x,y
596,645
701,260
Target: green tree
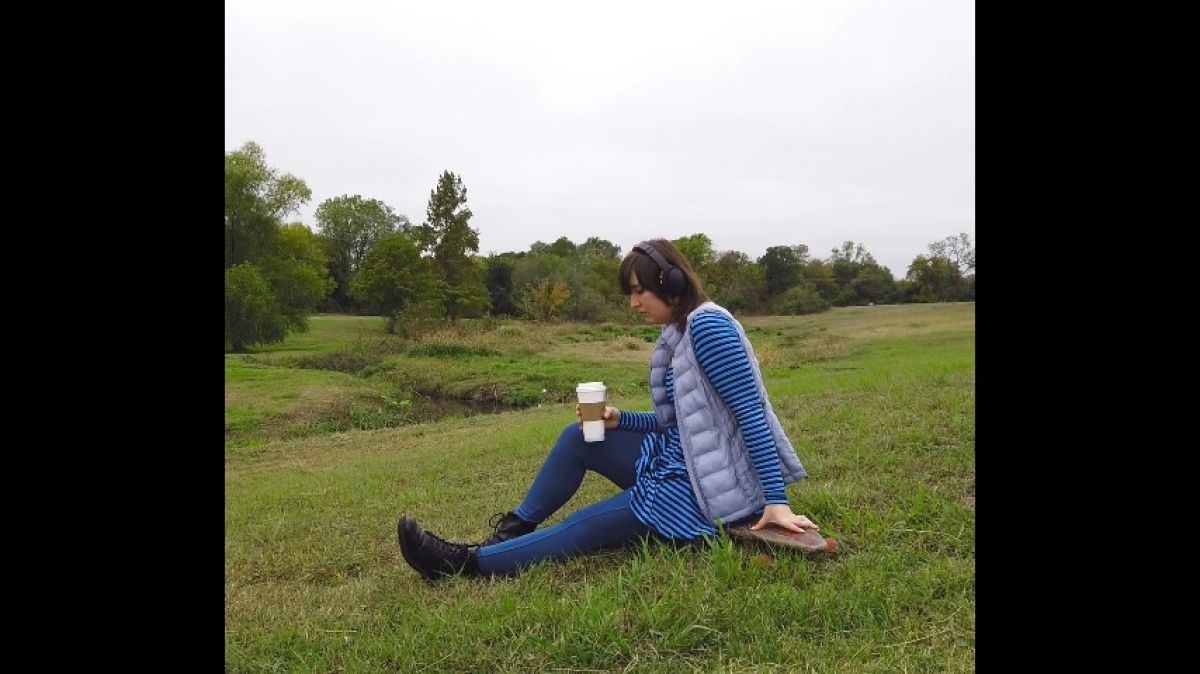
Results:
x,y
257,198
872,285
907,291
251,313
468,296
820,274
697,248
781,267
934,279
960,255
297,271
286,259
561,280
447,234
597,248
846,262
562,247
851,252
395,280
592,279
350,225
801,299
499,281
529,271
958,250
735,282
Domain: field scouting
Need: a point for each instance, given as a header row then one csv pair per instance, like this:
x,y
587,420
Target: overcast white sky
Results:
x,y
757,123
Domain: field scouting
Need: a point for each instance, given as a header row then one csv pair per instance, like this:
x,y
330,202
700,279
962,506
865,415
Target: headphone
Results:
x,y
672,278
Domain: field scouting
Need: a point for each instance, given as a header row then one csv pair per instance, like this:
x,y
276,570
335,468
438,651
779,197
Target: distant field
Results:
x,y
346,374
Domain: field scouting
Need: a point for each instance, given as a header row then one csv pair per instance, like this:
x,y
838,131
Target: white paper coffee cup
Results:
x,y
591,409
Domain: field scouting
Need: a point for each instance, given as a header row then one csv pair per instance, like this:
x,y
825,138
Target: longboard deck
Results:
x,y
809,541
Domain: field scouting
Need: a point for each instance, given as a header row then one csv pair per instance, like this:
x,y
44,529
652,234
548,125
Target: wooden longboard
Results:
x,y
809,541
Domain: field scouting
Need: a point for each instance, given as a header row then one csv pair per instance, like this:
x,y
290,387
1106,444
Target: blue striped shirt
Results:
x,y
662,497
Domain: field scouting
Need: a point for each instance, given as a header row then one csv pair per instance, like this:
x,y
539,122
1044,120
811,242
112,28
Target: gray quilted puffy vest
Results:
x,y
723,476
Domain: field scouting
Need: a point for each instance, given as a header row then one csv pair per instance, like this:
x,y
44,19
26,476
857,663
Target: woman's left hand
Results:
x,y
783,516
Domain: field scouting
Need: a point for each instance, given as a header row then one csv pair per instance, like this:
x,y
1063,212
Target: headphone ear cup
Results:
x,y
676,282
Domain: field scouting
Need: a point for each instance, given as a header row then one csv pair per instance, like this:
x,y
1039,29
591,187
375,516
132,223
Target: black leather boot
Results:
x,y
433,557
507,526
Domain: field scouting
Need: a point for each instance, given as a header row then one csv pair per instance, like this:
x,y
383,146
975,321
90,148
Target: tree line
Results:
x,y
365,258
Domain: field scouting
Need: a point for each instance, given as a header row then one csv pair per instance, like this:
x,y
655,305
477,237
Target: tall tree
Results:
x,y
349,226
260,253
257,198
447,234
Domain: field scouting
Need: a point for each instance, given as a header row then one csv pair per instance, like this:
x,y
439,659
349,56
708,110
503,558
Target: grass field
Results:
x,y
334,433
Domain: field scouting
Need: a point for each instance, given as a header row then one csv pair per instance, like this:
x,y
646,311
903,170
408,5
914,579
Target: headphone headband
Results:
x,y
645,247
672,279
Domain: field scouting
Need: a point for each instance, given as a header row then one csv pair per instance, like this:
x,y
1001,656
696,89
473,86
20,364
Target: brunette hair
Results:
x,y
650,275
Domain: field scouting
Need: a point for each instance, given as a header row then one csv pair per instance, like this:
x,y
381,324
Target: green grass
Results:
x,y
331,332
879,402
348,374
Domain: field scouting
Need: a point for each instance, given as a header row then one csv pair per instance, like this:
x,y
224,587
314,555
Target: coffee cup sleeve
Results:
x,y
591,411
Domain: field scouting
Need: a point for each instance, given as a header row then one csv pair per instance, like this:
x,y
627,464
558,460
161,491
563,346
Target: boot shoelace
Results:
x,y
495,520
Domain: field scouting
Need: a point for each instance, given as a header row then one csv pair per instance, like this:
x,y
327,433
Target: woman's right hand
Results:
x,y
612,416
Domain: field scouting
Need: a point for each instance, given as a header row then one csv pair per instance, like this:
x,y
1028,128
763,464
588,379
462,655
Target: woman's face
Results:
x,y
646,303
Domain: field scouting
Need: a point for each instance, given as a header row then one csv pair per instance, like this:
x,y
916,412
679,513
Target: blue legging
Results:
x,y
609,523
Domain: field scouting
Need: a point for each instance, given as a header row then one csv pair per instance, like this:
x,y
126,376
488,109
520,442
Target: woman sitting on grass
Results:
x,y
711,451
